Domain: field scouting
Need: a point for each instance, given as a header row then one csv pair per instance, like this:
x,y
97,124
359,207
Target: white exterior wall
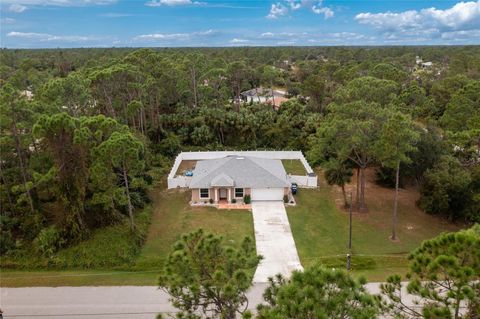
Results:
x,y
179,181
184,181
304,180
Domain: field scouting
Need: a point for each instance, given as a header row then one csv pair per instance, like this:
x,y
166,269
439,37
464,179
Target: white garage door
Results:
x,y
267,193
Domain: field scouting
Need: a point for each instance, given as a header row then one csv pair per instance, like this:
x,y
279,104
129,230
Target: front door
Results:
x,y
223,193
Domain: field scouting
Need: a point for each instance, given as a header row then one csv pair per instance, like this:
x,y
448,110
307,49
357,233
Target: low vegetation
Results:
x,y
118,257
111,248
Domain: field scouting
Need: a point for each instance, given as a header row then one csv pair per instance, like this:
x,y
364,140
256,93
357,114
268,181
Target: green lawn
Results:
x,y
294,167
45,278
173,216
320,231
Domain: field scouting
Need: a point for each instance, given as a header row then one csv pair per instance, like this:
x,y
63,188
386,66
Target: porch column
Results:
x,y
215,194
229,197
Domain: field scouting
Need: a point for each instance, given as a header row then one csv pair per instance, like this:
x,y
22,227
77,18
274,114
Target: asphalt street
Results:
x,y
135,302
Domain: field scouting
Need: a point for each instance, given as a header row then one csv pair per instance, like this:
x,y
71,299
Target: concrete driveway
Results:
x,y
274,241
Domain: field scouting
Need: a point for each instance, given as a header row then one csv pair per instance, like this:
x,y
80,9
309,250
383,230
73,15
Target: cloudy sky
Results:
x,y
178,23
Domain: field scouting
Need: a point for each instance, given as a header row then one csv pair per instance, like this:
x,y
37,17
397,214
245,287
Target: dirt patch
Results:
x,y
185,166
379,200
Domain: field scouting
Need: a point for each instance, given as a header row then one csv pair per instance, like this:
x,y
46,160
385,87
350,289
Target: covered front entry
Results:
x,y
260,194
223,194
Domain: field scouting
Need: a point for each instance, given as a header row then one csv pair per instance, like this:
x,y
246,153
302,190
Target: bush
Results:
x,y
234,200
385,176
247,199
446,189
113,247
211,200
7,242
285,199
48,241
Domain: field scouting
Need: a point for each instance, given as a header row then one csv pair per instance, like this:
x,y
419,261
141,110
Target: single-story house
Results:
x,y
233,177
264,95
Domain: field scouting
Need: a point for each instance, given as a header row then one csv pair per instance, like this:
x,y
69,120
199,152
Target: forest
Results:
x,y
85,133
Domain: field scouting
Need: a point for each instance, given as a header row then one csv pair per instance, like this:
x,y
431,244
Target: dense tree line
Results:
x,y
84,131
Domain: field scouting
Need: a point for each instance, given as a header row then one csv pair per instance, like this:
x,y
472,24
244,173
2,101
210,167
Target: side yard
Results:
x,y
320,229
294,167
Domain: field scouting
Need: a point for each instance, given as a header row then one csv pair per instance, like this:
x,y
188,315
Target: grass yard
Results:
x,y
173,216
320,229
294,167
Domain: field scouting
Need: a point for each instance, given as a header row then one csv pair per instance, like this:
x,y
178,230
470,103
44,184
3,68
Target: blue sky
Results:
x,y
178,23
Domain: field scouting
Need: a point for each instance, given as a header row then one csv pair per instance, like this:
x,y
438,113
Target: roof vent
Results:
x,y
240,158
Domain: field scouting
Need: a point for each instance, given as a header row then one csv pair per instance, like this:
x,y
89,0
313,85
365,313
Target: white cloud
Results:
x,y
277,10
294,4
280,9
174,36
45,37
239,41
267,35
17,8
327,12
172,3
163,36
7,21
461,35
298,4
462,16
311,38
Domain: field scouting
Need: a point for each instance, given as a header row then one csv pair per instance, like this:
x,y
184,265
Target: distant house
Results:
x,y
263,95
27,94
427,65
424,65
233,177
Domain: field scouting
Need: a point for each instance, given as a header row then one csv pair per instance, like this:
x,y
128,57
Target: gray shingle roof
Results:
x,y
249,172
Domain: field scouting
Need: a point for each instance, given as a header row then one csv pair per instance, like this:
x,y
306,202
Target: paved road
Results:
x,y
274,241
133,302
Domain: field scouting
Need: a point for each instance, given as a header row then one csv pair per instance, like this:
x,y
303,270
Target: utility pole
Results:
x,y
349,235
350,226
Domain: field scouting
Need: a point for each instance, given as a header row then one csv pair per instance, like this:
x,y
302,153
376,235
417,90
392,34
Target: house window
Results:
x,y
238,192
204,193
